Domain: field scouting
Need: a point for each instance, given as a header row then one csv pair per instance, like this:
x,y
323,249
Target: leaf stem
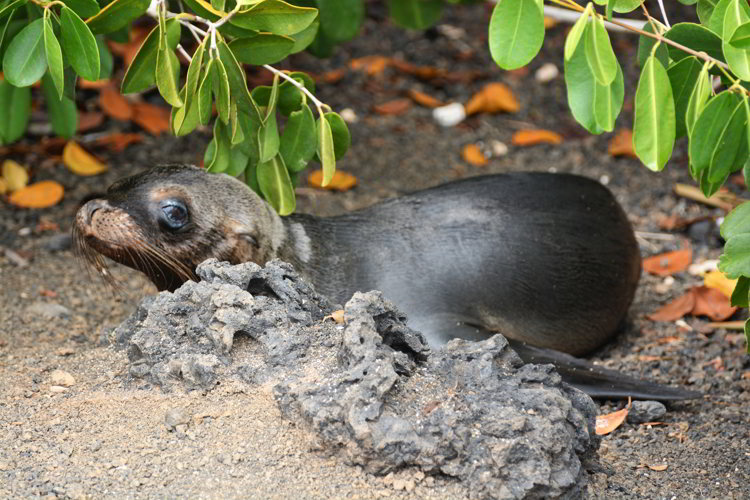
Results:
x,y
318,104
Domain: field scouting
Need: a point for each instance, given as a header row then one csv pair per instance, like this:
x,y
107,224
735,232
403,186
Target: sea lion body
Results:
x,y
549,260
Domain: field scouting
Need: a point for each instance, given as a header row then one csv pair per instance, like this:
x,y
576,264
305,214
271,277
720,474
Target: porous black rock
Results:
x,y
371,391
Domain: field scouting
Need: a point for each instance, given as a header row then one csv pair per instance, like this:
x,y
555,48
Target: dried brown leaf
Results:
x,y
676,309
114,104
474,156
493,98
537,136
424,99
622,144
394,107
341,181
41,194
669,263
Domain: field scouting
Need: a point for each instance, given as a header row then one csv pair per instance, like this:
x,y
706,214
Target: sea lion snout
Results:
x,y
86,213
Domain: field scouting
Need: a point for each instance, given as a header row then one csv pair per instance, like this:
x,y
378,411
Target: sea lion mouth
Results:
x,y
101,231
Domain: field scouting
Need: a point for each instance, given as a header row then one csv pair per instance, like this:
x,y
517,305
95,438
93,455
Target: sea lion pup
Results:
x,y
549,260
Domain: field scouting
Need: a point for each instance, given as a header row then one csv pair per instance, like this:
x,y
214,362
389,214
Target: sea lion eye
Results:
x,y
174,214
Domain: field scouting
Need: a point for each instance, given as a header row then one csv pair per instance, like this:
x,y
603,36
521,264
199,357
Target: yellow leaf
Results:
x,y
718,281
3,186
41,194
493,98
341,181
15,175
80,162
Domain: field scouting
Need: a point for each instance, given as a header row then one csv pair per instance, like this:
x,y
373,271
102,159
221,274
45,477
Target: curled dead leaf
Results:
x,y
536,136
93,85
669,263
657,468
622,144
88,120
341,181
80,162
15,175
333,76
474,156
611,421
712,303
119,141
337,316
371,65
41,194
676,309
114,104
493,98
423,99
394,107
154,119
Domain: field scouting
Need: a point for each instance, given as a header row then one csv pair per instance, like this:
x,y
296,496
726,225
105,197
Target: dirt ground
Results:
x,y
105,435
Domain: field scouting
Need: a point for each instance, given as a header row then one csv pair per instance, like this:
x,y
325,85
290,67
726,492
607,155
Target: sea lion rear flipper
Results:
x,y
599,382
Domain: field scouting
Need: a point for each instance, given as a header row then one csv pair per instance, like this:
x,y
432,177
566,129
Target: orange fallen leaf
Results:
x,y
647,358
48,293
154,119
657,468
333,76
676,309
394,107
46,225
341,181
372,65
129,49
114,104
119,141
549,22
493,98
93,85
712,303
719,281
669,263
337,316
423,99
80,162
537,136
3,186
88,120
474,156
41,194
611,421
622,144
15,175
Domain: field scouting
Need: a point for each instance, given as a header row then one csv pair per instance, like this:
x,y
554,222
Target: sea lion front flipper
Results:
x,y
600,382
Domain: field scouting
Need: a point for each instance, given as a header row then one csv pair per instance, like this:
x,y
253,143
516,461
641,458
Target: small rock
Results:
x,y
48,310
499,148
450,114
59,242
57,388
175,417
546,73
63,378
646,411
665,285
348,115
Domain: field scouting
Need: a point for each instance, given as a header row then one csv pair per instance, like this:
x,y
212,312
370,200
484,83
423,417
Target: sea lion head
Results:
x,y
166,220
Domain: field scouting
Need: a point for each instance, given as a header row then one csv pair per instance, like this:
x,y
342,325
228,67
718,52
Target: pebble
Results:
x,y
57,388
48,310
499,148
176,417
646,411
450,114
546,73
63,378
59,242
348,115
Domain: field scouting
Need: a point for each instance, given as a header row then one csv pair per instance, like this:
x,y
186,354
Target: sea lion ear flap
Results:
x,y
243,232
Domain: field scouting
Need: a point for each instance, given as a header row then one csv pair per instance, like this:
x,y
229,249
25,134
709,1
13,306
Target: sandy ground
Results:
x,y
105,435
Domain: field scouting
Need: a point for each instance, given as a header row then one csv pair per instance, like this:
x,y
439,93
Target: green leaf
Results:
x,y
696,37
707,187
167,68
204,93
576,32
599,54
219,147
15,109
341,19
581,85
305,37
741,292
250,123
704,9
747,336
737,222
251,177
738,59
516,32
54,56
698,98
84,8
186,118
654,124
221,90
268,139
326,151
730,152
709,129
24,62
263,48
117,14
276,186
106,62
62,114
141,74
741,36
683,76
237,162
290,99
716,22
236,76
735,261
275,16
340,132
607,101
80,45
8,30
646,44
11,7
623,6
298,141
415,14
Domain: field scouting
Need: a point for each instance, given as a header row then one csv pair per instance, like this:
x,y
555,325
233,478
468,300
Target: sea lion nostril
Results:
x,y
91,207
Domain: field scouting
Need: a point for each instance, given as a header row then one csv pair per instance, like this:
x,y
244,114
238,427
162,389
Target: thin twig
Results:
x,y
294,82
